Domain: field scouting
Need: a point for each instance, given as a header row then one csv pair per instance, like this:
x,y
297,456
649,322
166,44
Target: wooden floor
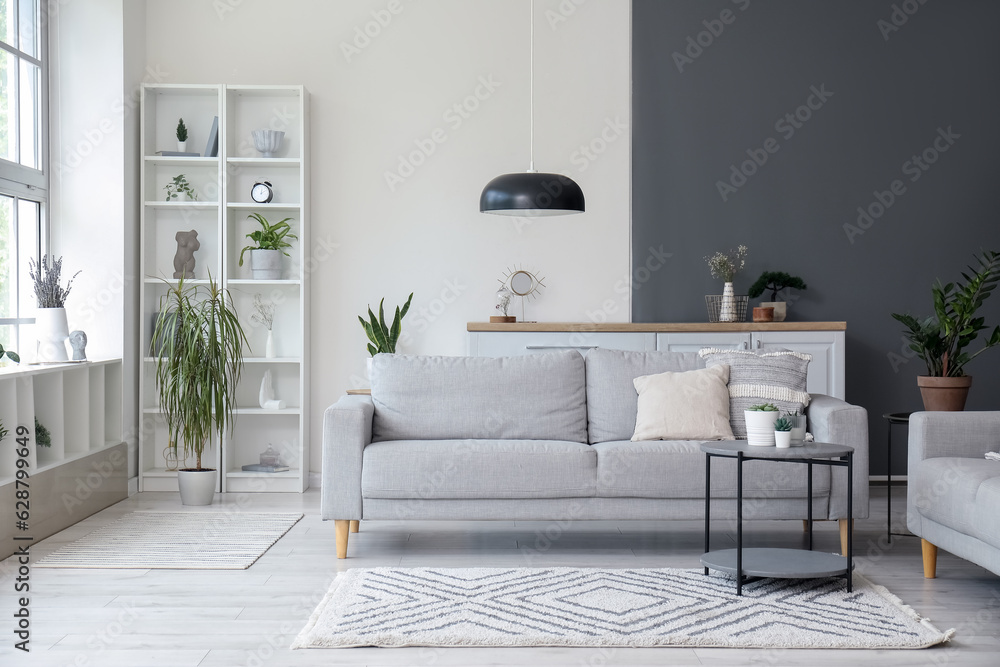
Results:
x,y
176,618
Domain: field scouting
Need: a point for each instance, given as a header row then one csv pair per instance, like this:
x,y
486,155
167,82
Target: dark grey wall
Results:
x,y
891,99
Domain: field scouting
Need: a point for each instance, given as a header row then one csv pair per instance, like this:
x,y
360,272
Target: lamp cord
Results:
x,y
531,79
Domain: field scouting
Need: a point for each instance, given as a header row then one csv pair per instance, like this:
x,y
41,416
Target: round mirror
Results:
x,y
521,283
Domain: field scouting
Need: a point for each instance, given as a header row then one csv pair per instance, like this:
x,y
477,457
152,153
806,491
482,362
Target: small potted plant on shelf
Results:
x,y
178,186
383,338
269,244
51,326
198,368
782,432
760,421
42,436
724,266
182,135
775,281
940,341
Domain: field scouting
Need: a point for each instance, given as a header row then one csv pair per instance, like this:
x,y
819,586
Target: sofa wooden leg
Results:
x,y
930,559
843,535
343,530
355,526
805,526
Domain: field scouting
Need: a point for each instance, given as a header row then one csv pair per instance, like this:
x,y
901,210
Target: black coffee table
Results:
x,y
778,563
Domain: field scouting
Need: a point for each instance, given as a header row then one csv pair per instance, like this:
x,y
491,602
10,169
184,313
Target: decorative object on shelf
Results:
x,y
763,314
267,399
256,467
504,297
737,308
263,315
782,433
775,281
212,147
522,283
42,436
171,459
940,340
184,262
182,135
760,420
10,354
383,338
271,457
78,341
532,193
798,426
178,186
51,327
265,256
262,192
267,142
725,266
197,373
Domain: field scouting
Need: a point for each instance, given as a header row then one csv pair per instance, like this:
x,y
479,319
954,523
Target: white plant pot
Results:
x,y
181,146
760,427
727,310
266,264
197,486
780,309
782,439
51,331
269,345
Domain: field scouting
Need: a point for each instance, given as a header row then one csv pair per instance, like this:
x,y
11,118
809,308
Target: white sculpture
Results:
x,y
267,399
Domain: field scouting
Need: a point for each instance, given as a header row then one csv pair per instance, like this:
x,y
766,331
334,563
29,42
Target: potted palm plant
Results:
x,y
941,340
199,359
269,246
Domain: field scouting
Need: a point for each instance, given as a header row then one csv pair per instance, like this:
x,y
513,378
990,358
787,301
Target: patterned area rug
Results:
x,y
175,540
395,607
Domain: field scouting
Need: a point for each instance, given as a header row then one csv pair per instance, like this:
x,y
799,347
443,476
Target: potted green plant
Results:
x,y
182,135
383,338
178,186
199,360
941,340
269,246
775,281
783,433
51,326
760,421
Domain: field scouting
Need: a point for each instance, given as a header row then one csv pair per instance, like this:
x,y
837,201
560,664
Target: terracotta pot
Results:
x,y
944,394
763,314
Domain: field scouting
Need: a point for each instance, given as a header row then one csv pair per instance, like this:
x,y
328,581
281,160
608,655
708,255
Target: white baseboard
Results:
x,y
133,486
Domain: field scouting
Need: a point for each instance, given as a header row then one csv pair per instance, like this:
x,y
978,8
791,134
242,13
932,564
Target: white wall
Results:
x,y
427,236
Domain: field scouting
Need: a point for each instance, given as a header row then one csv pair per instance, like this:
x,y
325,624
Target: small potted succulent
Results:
x,y
760,421
182,135
269,246
775,281
783,432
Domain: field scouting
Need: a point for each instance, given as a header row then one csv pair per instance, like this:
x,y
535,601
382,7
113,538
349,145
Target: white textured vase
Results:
x,y
727,310
51,331
760,427
269,345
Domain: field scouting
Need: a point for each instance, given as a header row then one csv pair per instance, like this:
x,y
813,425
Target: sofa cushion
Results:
x,y
947,490
986,523
435,469
777,377
612,401
676,469
539,397
683,406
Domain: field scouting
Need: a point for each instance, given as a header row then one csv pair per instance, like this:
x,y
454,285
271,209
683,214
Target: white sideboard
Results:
x,y
825,341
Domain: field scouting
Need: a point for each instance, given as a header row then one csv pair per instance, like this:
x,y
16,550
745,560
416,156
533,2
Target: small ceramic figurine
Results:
x,y
267,400
78,341
187,244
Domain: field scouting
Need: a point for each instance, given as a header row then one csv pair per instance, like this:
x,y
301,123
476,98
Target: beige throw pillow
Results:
x,y
684,406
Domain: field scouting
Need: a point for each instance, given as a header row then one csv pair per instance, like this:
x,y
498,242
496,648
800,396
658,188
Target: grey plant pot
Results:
x,y
266,264
197,486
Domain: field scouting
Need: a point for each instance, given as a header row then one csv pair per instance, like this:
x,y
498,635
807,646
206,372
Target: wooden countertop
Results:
x,y
658,327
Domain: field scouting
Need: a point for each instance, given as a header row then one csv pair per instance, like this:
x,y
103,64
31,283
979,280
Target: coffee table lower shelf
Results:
x,y
778,563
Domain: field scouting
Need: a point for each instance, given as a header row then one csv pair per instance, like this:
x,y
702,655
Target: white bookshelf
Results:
x,y
223,184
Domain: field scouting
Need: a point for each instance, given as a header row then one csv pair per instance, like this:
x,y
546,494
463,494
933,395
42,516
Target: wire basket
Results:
x,y
736,311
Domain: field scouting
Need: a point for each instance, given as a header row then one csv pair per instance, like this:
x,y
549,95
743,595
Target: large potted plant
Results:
x,y
269,246
199,359
941,340
51,327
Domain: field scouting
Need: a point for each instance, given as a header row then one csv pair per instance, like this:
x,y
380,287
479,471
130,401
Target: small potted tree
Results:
x,y
383,338
199,359
269,245
775,281
182,135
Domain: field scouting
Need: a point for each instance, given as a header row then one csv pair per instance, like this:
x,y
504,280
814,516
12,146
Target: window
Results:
x,y
23,168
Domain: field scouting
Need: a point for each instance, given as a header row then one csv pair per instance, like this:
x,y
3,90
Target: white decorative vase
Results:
x,y
265,264
269,345
267,141
782,439
760,427
197,487
181,146
52,331
727,309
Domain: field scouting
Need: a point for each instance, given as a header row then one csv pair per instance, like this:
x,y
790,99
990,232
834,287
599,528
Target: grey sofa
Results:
x,y
547,437
953,491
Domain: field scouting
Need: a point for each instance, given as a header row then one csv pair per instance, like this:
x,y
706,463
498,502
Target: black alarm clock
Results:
x,y
261,192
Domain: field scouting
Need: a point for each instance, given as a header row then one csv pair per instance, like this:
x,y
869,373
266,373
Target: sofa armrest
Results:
x,y
835,421
347,430
958,434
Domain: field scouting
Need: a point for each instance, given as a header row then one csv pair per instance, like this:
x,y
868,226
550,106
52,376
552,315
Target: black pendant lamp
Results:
x,y
531,193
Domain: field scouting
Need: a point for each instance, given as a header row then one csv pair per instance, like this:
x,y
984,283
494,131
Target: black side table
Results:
x,y
894,418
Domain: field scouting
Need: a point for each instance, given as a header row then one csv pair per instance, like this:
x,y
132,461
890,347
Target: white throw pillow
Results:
x,y
693,405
